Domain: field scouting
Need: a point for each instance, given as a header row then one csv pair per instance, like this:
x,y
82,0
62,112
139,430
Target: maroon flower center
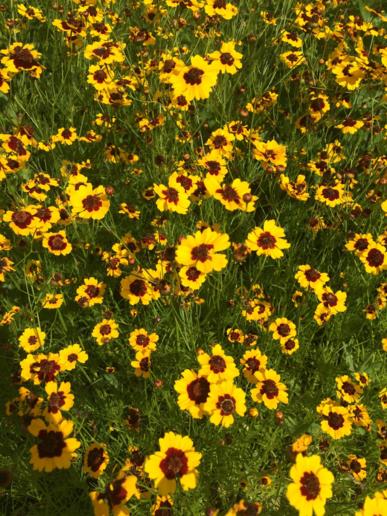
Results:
x,y
72,357
355,466
201,252
310,486
193,76
105,329
266,241
22,218
227,59
219,141
220,4
283,329
226,404
171,195
184,181
92,291
169,65
375,258
45,369
198,390
290,344
253,364
312,275
175,463
138,288
217,364
55,401
329,299
57,242
335,420
269,387
144,364
330,193
51,444
192,273
32,340
23,58
92,203
100,76
348,388
229,194
142,340
115,493
95,459
317,104
43,214
361,244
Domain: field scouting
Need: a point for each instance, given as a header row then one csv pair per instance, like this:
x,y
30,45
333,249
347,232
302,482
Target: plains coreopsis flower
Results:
x,y
55,449
225,400
196,80
311,486
269,240
193,390
176,459
203,250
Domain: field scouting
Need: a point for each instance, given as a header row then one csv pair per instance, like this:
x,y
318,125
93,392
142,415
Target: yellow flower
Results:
x,y
171,199
311,486
220,8
196,80
105,331
136,288
333,302
268,241
140,339
90,203
57,243
218,366
32,339
193,389
234,196
270,152
377,505
283,329
223,402
95,460
59,397
337,421
350,126
52,301
332,195
293,58
310,278
357,466
177,459
71,355
269,390
253,360
201,250
227,58
348,390
142,363
55,449
301,444
374,258
90,293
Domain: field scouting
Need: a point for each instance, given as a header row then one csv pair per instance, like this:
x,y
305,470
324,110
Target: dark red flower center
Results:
x,y
227,59
375,258
57,242
95,459
198,390
310,486
51,444
175,463
193,76
266,241
269,387
330,193
335,420
201,252
217,364
55,401
312,275
138,288
92,203
226,404
22,218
